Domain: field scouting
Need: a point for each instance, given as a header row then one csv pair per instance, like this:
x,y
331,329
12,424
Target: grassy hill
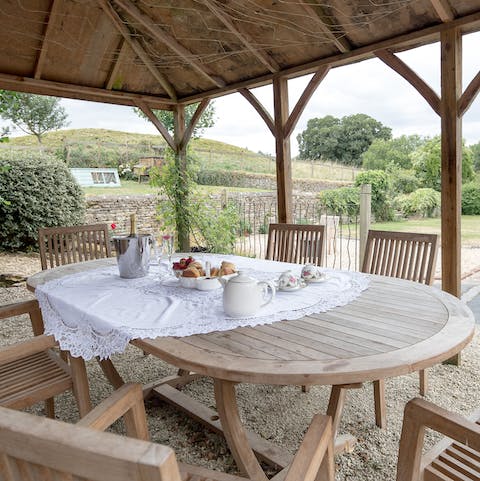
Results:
x,y
110,148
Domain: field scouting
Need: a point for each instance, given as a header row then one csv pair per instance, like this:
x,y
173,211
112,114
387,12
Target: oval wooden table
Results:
x,y
394,327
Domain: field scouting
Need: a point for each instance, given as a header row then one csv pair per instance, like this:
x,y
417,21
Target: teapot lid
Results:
x,y
242,278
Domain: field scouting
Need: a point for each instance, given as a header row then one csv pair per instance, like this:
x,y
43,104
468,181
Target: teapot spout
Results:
x,y
223,281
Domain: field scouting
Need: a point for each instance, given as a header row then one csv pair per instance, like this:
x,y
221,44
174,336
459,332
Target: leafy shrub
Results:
x,y
37,191
471,199
343,201
422,202
404,181
381,202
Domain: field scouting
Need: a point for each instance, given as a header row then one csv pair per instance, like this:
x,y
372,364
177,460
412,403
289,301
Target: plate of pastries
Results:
x,y
189,268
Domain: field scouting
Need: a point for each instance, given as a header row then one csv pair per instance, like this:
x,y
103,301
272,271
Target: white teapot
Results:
x,y
243,296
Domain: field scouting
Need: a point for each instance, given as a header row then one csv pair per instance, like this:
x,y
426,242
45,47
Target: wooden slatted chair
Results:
x,y
49,449
30,371
454,458
403,255
300,244
68,245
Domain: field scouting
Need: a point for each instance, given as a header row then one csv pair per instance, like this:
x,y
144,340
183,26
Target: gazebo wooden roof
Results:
x,y
167,51
164,54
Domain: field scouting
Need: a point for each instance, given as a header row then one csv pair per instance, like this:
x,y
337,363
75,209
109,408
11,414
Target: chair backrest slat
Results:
x,y
67,245
296,243
66,452
404,255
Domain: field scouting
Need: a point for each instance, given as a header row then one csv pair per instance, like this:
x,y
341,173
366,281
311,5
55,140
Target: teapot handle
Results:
x,y
266,286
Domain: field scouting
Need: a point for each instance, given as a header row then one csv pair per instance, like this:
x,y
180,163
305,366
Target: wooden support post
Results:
x,y
181,161
365,218
451,86
282,149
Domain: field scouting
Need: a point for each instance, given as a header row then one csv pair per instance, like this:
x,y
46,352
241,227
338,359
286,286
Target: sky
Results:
x,y
369,87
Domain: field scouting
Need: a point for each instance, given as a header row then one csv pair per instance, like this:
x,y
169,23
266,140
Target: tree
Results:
x,y
395,153
426,162
343,140
476,156
34,114
319,140
206,120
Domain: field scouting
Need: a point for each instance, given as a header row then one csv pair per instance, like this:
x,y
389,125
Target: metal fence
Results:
x,y
342,232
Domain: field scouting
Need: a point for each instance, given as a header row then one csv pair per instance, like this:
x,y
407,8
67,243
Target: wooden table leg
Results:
x,y
234,431
80,385
111,372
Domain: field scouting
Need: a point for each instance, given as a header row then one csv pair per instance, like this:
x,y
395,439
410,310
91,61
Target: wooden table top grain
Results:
x,y
394,327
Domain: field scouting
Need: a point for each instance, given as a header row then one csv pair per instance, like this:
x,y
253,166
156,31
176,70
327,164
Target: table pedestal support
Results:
x,y
246,446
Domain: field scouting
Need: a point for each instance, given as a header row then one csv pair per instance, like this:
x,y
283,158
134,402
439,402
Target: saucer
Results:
x,y
314,281
291,289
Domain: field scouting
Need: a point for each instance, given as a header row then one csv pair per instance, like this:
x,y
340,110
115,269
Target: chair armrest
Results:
x,y
18,308
126,401
420,414
314,458
26,348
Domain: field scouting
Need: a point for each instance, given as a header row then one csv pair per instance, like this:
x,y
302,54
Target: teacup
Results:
x,y
289,280
311,272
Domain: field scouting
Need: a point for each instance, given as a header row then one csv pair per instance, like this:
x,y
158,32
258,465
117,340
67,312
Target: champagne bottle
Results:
x,y
133,225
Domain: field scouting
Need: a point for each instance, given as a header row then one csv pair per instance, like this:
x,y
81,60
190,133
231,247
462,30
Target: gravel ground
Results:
x,y
278,413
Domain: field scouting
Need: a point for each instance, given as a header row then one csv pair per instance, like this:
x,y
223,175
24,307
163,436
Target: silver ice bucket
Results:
x,y
133,255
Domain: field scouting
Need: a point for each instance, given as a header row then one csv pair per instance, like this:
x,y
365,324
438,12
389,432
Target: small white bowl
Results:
x,y
207,283
188,282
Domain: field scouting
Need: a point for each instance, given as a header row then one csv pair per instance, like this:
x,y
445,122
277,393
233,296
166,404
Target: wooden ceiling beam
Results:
x,y
193,122
411,77
469,95
112,77
400,42
316,11
303,100
55,5
159,34
58,89
444,10
243,37
124,31
261,110
158,124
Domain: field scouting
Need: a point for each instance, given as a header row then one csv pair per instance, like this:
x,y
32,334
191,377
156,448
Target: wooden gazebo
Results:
x,y
165,54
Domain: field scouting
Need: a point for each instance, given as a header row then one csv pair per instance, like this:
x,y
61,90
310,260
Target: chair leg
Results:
x,y
380,408
423,374
80,385
50,408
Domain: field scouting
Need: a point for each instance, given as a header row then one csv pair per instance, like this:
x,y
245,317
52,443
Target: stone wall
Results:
x,y
117,209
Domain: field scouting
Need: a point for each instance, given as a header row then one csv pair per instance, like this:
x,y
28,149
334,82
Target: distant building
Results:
x,y
96,177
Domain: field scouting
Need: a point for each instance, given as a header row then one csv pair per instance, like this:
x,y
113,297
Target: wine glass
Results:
x,y
168,246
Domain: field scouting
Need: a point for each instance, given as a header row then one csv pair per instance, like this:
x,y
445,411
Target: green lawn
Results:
x,y
470,227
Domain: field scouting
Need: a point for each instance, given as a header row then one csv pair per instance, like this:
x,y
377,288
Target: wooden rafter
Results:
x,y
162,36
137,48
113,76
243,37
158,124
412,77
316,11
262,111
44,47
59,89
303,100
400,42
444,10
193,122
469,95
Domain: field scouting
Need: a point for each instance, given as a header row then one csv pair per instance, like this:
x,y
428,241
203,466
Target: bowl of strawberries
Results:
x,y
180,266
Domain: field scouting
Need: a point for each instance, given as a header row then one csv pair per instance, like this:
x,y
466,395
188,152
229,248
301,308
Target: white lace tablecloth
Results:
x,y
96,313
